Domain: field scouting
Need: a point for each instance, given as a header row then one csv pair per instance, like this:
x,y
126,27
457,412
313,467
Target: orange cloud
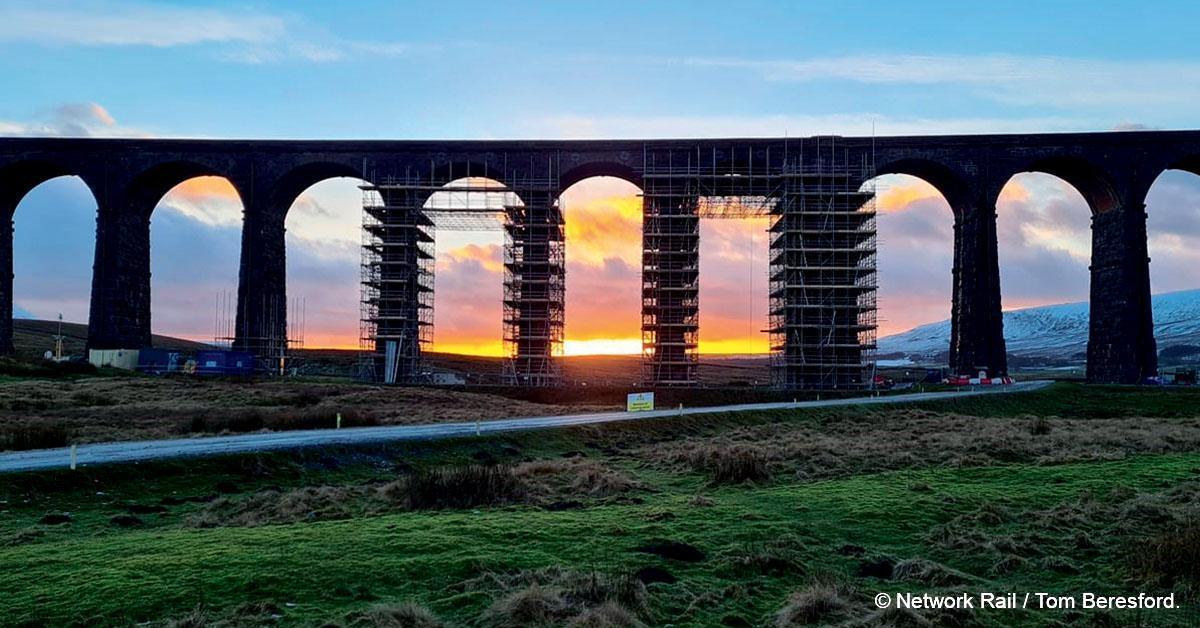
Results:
x,y
210,200
898,196
467,309
490,257
603,228
205,189
1014,192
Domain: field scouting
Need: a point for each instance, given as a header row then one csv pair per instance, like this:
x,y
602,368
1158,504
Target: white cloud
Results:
x,y
607,127
133,25
1010,79
242,36
82,119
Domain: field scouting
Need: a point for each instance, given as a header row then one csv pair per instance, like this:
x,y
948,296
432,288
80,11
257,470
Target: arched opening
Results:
x,y
603,216
54,229
469,240
195,235
915,261
1044,237
323,239
1173,230
734,300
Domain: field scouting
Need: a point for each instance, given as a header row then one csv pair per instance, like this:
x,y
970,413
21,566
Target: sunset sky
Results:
x,y
313,70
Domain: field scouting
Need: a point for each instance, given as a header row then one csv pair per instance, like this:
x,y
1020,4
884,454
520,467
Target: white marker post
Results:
x,y
73,455
339,421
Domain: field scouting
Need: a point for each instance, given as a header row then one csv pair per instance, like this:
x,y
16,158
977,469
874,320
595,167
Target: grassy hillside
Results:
x,y
595,370
771,519
33,338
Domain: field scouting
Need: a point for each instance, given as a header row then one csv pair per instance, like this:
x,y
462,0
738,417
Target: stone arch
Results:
x,y
295,181
17,183
593,169
1172,203
1093,183
446,172
199,219
952,186
148,187
19,178
1190,163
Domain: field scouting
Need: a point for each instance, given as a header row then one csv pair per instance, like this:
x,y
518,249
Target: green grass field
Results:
x,y
765,512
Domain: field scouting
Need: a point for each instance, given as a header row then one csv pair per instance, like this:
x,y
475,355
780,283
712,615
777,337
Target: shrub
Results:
x,y
44,368
89,399
231,420
466,486
39,435
253,419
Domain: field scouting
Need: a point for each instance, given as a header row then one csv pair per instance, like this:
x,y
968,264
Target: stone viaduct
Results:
x,y
1113,171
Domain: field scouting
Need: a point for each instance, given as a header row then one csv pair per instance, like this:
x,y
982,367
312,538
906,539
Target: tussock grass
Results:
x,y
819,602
1171,557
447,487
557,596
779,557
467,486
730,465
978,495
930,573
320,503
245,615
574,477
607,615
406,615
912,439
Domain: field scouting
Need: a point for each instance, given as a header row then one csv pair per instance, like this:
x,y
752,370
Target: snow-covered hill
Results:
x,y
1058,331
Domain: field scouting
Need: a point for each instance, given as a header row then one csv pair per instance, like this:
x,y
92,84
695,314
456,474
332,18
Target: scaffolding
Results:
x,y
273,345
396,316
670,268
534,283
822,278
400,218
823,275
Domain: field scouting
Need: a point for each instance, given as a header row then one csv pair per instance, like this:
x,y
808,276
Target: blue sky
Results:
x,y
562,69
482,69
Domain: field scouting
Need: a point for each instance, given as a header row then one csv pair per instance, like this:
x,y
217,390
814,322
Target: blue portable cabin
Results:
x,y
221,362
159,361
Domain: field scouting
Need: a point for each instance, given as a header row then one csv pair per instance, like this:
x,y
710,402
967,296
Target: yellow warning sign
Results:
x,y
639,402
